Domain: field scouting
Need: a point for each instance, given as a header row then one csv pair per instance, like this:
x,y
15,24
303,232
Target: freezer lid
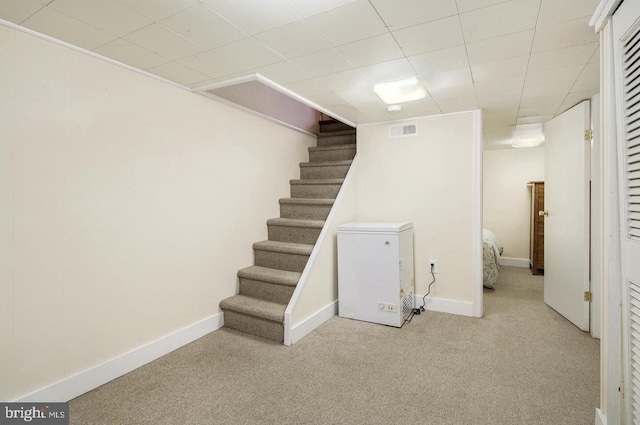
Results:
x,y
367,227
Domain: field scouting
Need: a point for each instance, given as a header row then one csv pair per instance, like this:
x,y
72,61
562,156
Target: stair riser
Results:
x,y
266,290
305,212
332,155
305,235
328,172
280,260
333,126
315,191
336,140
254,325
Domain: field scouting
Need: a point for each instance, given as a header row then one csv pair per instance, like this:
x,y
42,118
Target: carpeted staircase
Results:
x,y
267,286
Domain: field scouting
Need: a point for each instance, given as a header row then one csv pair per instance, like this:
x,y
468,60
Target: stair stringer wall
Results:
x,y
315,298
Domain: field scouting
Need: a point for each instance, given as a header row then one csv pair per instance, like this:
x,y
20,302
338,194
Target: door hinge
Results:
x,y
587,296
588,135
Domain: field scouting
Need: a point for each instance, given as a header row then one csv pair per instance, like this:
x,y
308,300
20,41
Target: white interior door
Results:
x,y
626,46
566,227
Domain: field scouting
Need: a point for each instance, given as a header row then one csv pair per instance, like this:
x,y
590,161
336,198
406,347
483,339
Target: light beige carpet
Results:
x,y
521,364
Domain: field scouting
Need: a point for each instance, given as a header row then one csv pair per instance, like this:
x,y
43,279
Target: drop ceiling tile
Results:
x,y
469,5
500,48
561,58
595,58
573,99
420,108
165,42
126,52
212,63
346,112
294,39
388,71
204,27
373,107
157,10
58,25
555,12
345,80
175,71
430,36
17,11
327,99
440,60
534,112
500,69
542,101
254,16
500,19
308,88
381,48
346,24
250,53
500,85
589,79
565,34
44,2
555,89
107,15
283,72
534,119
553,76
452,92
446,79
493,115
398,14
448,106
503,100
322,63
307,8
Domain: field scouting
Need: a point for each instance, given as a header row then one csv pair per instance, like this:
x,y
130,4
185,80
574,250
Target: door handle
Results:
x,y
544,213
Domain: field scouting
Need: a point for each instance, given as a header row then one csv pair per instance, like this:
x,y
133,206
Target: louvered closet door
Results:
x,y
626,29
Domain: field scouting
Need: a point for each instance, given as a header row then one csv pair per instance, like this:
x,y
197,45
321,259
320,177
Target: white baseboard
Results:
x,y
601,419
443,305
514,262
82,382
308,325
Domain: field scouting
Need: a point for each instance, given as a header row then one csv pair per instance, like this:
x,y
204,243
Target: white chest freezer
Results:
x,y
375,272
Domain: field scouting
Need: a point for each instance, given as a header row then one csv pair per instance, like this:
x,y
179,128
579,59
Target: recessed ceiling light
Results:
x,y
400,91
526,143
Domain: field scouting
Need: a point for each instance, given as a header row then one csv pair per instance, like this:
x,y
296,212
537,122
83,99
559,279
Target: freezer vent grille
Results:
x,y
407,302
405,130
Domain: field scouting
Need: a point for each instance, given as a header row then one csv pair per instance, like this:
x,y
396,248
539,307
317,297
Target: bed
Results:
x,y
491,252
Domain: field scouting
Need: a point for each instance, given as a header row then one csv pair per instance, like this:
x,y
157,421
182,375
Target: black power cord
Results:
x,y
420,309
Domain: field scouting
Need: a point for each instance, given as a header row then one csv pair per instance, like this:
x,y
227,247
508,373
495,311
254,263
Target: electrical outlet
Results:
x,y
433,266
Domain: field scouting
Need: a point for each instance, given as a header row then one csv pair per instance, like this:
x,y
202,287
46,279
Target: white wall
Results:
x,y
429,180
506,197
127,205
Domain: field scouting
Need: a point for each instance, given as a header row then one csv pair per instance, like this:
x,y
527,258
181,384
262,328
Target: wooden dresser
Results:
x,y
536,251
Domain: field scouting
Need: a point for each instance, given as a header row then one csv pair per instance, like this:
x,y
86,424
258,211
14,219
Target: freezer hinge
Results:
x,y
588,135
588,296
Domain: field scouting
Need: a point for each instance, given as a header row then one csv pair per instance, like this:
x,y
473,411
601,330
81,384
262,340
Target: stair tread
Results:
x,y
285,247
341,162
337,133
296,222
307,201
332,147
316,181
255,307
266,274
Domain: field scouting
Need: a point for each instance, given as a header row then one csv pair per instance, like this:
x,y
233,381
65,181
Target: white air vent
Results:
x,y
404,130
